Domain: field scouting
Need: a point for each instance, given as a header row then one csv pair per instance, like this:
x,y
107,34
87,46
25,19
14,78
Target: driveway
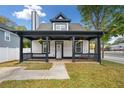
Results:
x,y
114,59
58,71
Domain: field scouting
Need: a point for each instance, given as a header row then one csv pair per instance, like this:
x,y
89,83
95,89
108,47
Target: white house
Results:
x,y
59,39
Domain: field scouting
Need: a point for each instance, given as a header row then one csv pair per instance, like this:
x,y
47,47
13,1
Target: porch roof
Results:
x,y
59,35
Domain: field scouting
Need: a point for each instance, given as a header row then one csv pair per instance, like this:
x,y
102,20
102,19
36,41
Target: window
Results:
x,y
78,47
61,27
44,47
7,36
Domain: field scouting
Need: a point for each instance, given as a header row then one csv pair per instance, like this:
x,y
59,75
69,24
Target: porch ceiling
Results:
x,y
60,35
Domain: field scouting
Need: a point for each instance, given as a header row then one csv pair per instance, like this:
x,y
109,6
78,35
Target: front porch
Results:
x,y
73,36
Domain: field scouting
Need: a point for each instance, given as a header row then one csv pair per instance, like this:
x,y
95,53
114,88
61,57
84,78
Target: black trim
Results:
x,y
42,57
63,58
65,19
57,35
73,49
21,49
47,56
31,48
98,50
60,42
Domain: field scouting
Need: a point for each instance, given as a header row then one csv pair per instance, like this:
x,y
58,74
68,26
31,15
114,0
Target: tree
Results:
x,y
7,22
26,43
117,26
3,20
22,28
101,18
10,24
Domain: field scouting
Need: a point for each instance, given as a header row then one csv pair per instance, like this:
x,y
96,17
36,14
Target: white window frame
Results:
x,y
59,27
67,24
81,47
7,34
53,26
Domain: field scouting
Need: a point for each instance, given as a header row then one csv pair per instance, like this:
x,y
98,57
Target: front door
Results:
x,y
58,50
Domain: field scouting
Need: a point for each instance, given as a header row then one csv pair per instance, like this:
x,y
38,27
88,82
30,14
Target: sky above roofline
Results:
x,y
21,14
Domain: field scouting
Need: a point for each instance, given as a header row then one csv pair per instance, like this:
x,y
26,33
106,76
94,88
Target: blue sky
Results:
x,y
17,13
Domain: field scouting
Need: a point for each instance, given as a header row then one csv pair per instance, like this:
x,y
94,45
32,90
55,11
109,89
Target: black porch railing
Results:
x,y
93,56
29,56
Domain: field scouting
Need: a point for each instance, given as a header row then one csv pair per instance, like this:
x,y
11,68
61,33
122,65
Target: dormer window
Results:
x,y
61,27
60,22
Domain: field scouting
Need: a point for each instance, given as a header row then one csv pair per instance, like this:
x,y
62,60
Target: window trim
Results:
x,y
60,27
48,47
80,47
6,34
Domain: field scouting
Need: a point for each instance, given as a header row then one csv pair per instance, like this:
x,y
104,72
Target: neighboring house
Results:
x,y
9,45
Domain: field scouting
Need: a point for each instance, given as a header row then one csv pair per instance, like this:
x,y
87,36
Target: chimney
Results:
x,y
34,20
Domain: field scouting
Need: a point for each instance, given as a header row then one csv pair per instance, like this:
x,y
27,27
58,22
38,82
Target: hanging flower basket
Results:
x,y
40,41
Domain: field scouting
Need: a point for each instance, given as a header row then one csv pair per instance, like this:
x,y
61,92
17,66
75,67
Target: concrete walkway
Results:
x,y
58,71
114,59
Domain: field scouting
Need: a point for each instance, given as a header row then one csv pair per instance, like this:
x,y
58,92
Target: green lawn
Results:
x,y
108,74
29,66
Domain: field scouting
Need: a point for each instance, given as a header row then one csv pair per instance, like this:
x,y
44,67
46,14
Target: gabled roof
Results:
x,y
3,26
60,18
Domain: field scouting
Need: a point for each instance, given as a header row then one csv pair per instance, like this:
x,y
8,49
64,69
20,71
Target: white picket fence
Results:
x,y
26,50
8,54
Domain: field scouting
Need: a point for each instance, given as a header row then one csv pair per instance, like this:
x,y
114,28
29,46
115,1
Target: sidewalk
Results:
x,y
58,71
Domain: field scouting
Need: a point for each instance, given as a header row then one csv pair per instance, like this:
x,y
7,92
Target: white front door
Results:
x,y
58,51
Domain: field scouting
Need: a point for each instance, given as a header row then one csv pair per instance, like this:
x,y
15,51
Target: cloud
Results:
x,y
26,12
43,22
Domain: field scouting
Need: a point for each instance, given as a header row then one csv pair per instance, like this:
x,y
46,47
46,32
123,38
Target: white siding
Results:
x,y
52,49
67,49
85,46
36,47
26,50
8,54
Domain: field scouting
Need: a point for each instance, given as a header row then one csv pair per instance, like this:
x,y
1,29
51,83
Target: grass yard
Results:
x,y
29,66
109,74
